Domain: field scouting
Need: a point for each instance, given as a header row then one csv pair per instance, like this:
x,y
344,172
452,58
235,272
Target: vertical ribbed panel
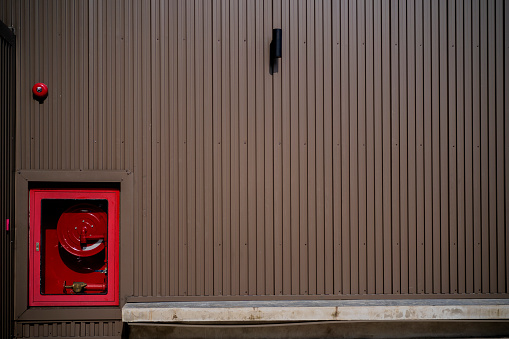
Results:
x,y
374,162
69,329
7,12
78,50
7,166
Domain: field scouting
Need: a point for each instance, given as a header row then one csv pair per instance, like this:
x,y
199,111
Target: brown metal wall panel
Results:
x,y
419,150
69,329
506,148
294,147
403,147
217,155
371,269
492,175
484,180
476,176
269,151
361,148
377,106
435,145
460,148
345,178
278,170
328,221
412,150
500,184
394,148
252,218
452,149
373,162
469,244
443,158
310,39
428,233
7,168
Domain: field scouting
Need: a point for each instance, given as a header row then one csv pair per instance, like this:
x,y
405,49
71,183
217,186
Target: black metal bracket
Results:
x,y
276,47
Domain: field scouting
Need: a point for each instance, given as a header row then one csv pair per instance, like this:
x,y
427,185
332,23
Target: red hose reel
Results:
x,y
82,230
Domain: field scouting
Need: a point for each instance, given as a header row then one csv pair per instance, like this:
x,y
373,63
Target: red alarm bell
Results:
x,y
40,90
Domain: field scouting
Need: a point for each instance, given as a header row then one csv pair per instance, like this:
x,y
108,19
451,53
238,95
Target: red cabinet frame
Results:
x,y
111,296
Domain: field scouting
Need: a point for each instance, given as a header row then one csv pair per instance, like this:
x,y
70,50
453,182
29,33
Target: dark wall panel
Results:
x,y
374,162
7,156
69,329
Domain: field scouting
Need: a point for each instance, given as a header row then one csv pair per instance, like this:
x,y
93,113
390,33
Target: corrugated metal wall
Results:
x,y
375,161
69,329
7,157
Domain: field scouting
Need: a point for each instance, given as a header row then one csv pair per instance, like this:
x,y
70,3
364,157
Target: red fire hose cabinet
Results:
x,y
73,249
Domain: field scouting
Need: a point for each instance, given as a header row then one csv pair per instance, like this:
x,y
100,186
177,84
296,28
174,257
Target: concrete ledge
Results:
x,y
330,310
